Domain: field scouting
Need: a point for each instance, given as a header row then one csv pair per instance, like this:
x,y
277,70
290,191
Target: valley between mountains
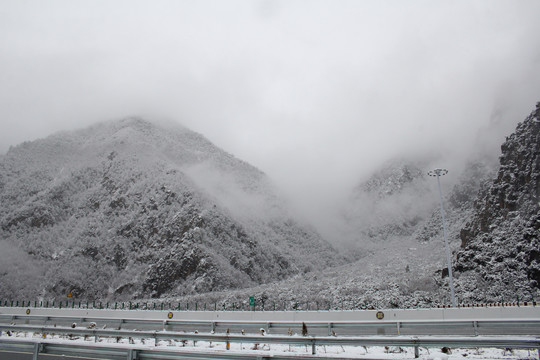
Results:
x,y
135,210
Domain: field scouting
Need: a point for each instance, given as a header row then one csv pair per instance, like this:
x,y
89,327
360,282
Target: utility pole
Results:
x,y
438,173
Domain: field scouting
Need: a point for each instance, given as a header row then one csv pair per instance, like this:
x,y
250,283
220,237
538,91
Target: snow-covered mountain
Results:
x,y
500,254
394,227
130,209
387,203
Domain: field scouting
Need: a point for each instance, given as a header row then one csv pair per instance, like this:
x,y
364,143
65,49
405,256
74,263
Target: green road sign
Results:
x,y
251,301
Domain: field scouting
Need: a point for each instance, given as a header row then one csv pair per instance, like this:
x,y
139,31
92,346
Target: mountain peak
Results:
x,y
142,209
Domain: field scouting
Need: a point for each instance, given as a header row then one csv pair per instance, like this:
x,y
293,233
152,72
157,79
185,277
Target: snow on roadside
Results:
x,y
354,352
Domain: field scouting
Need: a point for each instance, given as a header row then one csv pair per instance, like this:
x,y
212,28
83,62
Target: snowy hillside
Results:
x,y
395,232
500,255
387,204
129,209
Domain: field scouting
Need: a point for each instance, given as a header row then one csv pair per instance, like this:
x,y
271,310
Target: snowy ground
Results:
x,y
355,352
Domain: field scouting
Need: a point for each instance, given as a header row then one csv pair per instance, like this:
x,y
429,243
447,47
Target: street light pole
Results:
x,y
438,173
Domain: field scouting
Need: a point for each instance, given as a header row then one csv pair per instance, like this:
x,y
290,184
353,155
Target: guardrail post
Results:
x,y
313,347
416,347
398,324
132,354
38,347
475,326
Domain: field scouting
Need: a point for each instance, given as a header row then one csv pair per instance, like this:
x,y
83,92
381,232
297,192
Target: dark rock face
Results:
x,y
500,244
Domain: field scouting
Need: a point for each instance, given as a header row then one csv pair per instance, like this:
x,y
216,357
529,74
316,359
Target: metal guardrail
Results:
x,y
114,353
258,305
313,341
352,328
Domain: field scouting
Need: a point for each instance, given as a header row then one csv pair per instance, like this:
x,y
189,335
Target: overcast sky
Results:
x,y
314,93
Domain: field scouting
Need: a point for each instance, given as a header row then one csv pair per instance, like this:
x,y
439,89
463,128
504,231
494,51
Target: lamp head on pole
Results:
x,y
437,172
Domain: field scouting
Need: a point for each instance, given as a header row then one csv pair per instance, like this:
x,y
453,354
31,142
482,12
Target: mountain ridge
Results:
x,y
168,197
120,202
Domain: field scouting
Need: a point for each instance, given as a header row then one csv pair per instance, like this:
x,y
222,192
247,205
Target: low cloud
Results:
x,y
314,93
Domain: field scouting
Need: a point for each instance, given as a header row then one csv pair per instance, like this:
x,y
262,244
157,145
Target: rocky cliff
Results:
x,y
500,251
